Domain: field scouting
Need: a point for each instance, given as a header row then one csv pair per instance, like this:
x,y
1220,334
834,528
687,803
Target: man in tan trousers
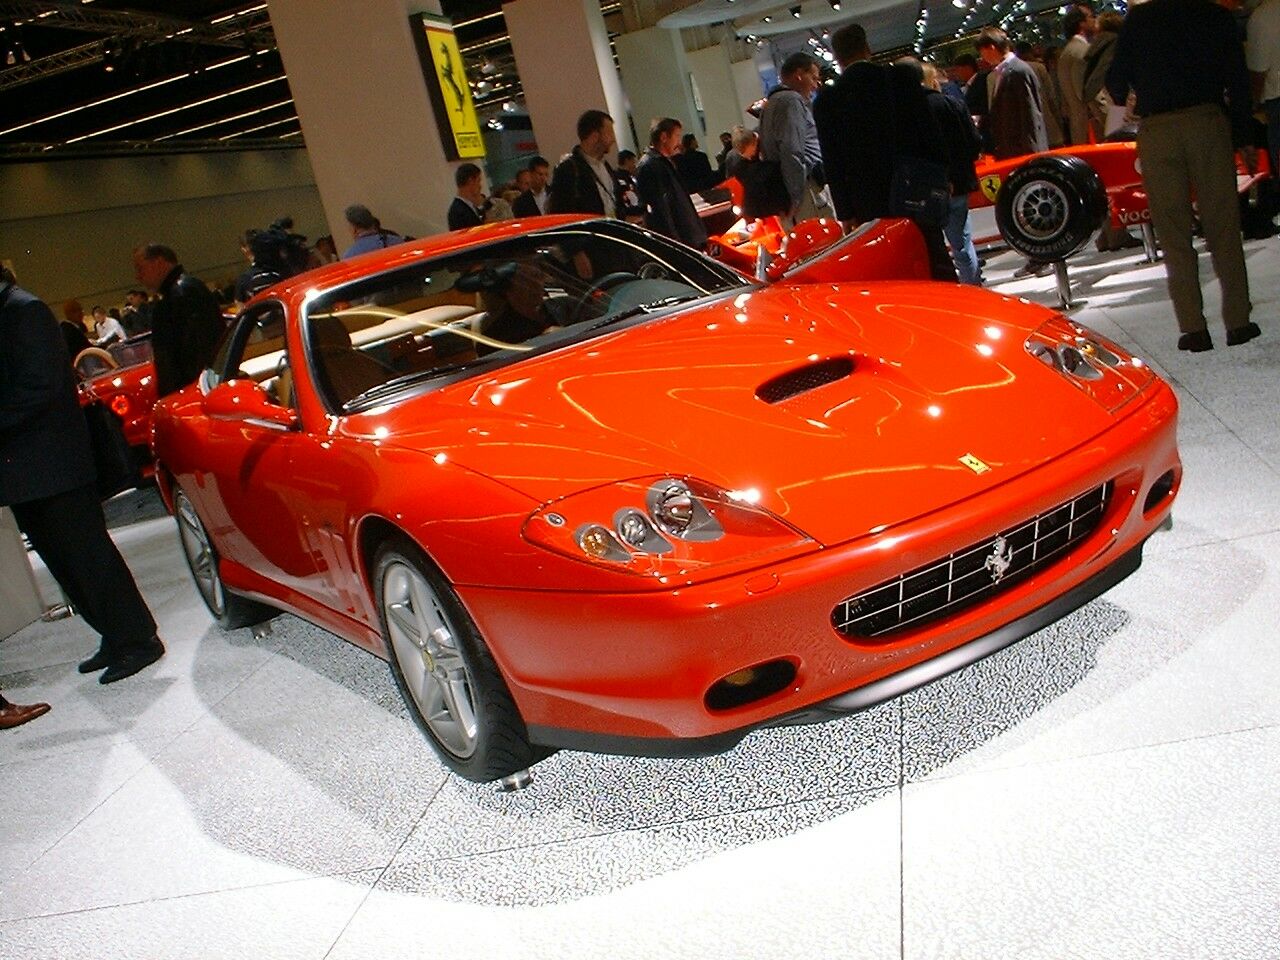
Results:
x,y
1190,118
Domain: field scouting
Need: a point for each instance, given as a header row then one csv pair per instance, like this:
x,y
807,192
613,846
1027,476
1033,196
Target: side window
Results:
x,y
256,350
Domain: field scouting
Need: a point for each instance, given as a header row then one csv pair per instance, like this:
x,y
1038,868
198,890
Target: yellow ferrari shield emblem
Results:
x,y
974,464
990,186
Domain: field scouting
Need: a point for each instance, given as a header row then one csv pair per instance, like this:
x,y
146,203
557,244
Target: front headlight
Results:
x,y
1089,360
664,527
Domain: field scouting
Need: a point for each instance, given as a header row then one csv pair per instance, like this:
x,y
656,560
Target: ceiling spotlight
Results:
x,y
835,5
795,11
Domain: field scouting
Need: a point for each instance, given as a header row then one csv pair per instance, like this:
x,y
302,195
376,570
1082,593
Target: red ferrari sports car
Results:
x,y
129,392
584,487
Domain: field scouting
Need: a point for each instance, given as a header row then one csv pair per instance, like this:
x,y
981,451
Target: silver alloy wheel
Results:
x,y
425,645
1040,209
200,555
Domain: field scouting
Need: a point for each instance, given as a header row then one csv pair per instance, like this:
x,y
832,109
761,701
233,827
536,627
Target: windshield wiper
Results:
x,y
642,308
391,386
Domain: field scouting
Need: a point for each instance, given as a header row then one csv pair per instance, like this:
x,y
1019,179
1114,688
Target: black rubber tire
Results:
x,y
1050,207
502,744
229,610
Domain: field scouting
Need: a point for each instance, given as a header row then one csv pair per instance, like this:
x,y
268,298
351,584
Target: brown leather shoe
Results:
x,y
15,714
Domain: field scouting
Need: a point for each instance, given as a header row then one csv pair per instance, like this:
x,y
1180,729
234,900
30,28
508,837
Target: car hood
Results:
x,y
932,398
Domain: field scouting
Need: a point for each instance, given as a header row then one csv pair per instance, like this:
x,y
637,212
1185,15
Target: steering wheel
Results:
x,y
597,290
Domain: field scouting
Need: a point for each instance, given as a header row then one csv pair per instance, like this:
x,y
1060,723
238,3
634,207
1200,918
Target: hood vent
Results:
x,y
795,382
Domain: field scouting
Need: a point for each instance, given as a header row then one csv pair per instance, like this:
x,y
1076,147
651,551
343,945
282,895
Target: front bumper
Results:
x,y
860,698
629,673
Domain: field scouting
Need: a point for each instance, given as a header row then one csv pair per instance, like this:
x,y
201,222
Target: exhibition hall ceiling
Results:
x,y
83,77
87,77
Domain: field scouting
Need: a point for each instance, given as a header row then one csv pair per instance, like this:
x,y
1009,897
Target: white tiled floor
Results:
x,y
1109,788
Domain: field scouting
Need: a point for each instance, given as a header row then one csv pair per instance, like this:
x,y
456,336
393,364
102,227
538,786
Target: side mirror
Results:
x,y
245,401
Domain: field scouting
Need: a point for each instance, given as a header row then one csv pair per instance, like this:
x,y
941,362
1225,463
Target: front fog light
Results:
x,y
635,530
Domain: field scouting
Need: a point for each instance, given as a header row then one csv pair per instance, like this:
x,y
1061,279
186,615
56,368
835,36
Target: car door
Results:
x,y
247,492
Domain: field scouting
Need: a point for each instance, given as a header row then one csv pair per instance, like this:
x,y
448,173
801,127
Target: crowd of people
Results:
x,y
852,147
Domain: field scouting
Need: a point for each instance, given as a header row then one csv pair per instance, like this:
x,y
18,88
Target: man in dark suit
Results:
x,y
535,201
1016,118
583,182
872,116
693,167
186,323
468,207
667,207
47,478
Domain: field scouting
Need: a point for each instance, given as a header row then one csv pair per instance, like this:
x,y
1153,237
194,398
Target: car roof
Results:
x,y
403,254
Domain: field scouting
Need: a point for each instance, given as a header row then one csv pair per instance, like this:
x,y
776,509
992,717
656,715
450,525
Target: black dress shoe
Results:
x,y
98,661
1242,334
1196,342
130,661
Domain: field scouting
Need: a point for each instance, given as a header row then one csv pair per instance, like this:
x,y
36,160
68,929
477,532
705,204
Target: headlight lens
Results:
x,y
1089,361
678,512
664,527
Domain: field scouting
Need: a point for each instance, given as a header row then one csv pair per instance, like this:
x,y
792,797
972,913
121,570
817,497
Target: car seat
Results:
x,y
342,371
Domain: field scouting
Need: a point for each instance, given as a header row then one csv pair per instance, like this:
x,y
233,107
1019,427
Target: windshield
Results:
x,y
495,304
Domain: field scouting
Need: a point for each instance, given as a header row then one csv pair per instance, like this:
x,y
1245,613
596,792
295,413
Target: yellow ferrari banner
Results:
x,y
453,93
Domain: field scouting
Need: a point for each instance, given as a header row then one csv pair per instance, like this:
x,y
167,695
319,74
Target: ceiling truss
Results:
x,y
251,31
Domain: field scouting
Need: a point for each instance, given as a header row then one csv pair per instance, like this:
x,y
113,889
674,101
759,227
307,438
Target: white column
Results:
x,y
20,602
655,74
358,86
748,86
566,67
721,109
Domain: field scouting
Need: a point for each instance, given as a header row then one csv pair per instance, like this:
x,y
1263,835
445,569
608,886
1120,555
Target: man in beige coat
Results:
x,y
1079,25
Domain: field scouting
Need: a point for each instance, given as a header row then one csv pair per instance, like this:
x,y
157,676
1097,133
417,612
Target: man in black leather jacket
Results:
x,y
186,324
47,477
583,182
668,209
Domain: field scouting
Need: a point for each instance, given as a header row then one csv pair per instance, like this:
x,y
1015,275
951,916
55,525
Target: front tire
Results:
x,y
444,671
1050,207
229,610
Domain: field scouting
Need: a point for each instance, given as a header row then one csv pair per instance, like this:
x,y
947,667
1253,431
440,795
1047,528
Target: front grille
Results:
x,y
972,574
795,382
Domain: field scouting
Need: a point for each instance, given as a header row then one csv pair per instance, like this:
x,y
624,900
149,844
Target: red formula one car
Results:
x,y
586,488
1047,205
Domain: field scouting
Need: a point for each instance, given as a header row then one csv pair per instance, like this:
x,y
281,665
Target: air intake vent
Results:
x,y
795,382
971,575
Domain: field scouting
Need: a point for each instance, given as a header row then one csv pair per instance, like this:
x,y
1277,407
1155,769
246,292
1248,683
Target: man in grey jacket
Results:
x,y
788,137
